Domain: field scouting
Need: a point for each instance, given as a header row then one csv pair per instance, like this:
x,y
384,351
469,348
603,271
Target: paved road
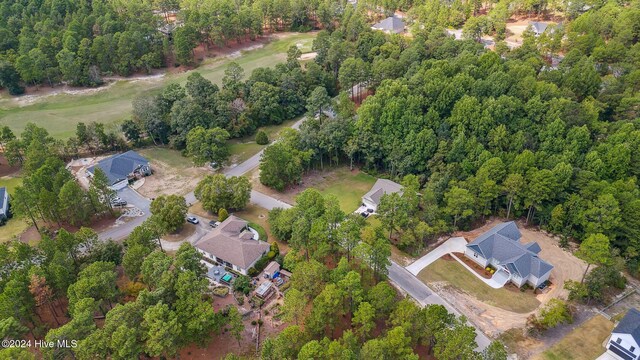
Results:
x,y
119,232
425,296
243,168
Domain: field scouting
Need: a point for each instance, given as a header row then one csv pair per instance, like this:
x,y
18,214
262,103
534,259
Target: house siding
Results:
x,y
475,257
369,204
626,343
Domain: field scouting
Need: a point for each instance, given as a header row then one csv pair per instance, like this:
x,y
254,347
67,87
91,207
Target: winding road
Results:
x,y
398,275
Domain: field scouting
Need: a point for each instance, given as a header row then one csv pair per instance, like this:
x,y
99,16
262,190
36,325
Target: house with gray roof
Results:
x,y
121,168
382,186
390,25
233,244
4,205
501,248
538,27
624,342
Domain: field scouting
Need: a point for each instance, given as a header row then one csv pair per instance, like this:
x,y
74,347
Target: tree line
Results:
x,y
486,134
80,43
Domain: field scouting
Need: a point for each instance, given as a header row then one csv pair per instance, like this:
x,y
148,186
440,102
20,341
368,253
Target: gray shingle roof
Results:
x,y
3,190
391,23
502,244
381,187
630,324
118,167
228,242
538,27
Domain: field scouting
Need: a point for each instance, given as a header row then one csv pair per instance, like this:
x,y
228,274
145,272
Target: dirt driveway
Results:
x,y
493,320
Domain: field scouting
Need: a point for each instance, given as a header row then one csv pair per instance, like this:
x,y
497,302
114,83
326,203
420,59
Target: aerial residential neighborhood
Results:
x,y
335,179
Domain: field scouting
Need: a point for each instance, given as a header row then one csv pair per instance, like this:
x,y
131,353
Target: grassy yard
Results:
x,y
455,274
60,113
14,226
584,342
242,149
10,183
171,157
348,188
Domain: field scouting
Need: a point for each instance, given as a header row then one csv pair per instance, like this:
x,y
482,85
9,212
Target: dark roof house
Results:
x,y
624,343
390,25
121,166
501,246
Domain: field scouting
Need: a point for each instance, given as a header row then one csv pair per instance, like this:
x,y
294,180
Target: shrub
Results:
x,y
275,248
262,138
221,291
253,322
252,271
260,322
271,254
242,284
223,214
133,288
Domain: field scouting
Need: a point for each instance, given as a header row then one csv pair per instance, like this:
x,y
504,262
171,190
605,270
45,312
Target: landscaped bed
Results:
x,y
456,275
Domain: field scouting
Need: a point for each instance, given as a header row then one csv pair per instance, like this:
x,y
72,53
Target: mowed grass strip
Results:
x,y
582,343
60,114
455,274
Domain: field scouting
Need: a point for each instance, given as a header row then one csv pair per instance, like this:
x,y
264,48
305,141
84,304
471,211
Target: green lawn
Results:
x,y
583,343
455,274
59,114
10,183
171,157
347,187
14,226
242,149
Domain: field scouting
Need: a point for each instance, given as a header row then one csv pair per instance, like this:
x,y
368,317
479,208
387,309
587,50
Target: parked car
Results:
x,y
119,203
364,214
214,224
279,281
370,211
192,220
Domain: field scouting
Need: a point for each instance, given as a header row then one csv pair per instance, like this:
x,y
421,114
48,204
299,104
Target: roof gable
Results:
x,y
630,324
381,187
502,244
231,242
118,167
391,23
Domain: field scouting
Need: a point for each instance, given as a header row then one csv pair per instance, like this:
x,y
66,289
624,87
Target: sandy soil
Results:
x,y
5,169
167,181
224,343
493,320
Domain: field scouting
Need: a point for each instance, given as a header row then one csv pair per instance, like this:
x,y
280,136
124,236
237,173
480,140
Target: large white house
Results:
x,y
382,186
624,342
519,263
233,244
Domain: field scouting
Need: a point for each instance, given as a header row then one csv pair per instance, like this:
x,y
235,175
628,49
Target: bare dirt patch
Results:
x,y
167,180
5,169
493,320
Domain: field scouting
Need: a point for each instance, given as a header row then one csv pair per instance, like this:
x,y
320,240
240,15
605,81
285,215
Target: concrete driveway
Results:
x,y
456,244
